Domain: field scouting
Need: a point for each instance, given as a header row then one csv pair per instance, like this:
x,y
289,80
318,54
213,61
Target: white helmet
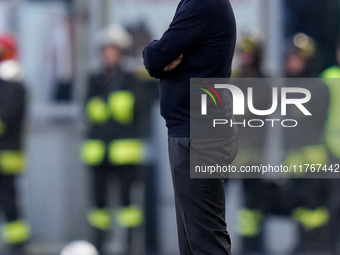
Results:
x,y
115,35
10,71
79,248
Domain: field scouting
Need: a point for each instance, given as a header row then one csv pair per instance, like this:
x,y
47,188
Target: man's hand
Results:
x,y
173,64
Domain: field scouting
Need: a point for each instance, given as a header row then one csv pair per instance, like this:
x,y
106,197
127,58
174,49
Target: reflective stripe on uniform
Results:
x,y
2,127
249,222
313,154
12,162
332,134
311,218
100,218
130,216
295,158
121,104
126,151
16,232
93,152
96,110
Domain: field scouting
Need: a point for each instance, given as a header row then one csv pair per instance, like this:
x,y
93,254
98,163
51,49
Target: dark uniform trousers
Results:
x,y
200,205
8,197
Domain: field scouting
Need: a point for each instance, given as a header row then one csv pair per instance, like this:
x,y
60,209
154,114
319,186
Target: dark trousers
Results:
x,y
8,197
200,206
103,176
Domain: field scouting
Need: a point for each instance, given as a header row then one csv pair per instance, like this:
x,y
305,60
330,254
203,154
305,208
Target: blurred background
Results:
x,y
60,46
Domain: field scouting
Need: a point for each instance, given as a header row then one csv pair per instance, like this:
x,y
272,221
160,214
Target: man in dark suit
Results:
x,y
199,43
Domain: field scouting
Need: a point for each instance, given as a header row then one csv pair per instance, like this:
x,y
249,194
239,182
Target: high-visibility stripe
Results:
x,y
12,162
96,110
130,216
16,232
311,218
295,158
93,152
2,127
313,154
126,151
249,222
122,105
331,73
100,218
332,134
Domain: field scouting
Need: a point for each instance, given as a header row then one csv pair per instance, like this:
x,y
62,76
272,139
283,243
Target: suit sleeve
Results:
x,y
189,26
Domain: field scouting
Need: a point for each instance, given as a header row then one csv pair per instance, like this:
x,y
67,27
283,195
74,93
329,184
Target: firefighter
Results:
x,y
15,231
332,130
250,52
114,149
251,146
299,58
304,145
331,138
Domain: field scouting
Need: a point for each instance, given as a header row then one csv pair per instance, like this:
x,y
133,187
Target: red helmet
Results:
x,y
8,47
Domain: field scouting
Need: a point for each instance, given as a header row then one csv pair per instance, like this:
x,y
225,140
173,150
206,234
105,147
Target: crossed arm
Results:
x,y
173,64
189,26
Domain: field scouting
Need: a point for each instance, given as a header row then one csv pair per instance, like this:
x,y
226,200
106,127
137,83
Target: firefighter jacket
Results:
x,y
114,112
12,111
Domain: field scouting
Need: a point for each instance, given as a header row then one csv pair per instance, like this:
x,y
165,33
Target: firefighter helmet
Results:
x,y
8,47
115,35
303,45
251,42
79,248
